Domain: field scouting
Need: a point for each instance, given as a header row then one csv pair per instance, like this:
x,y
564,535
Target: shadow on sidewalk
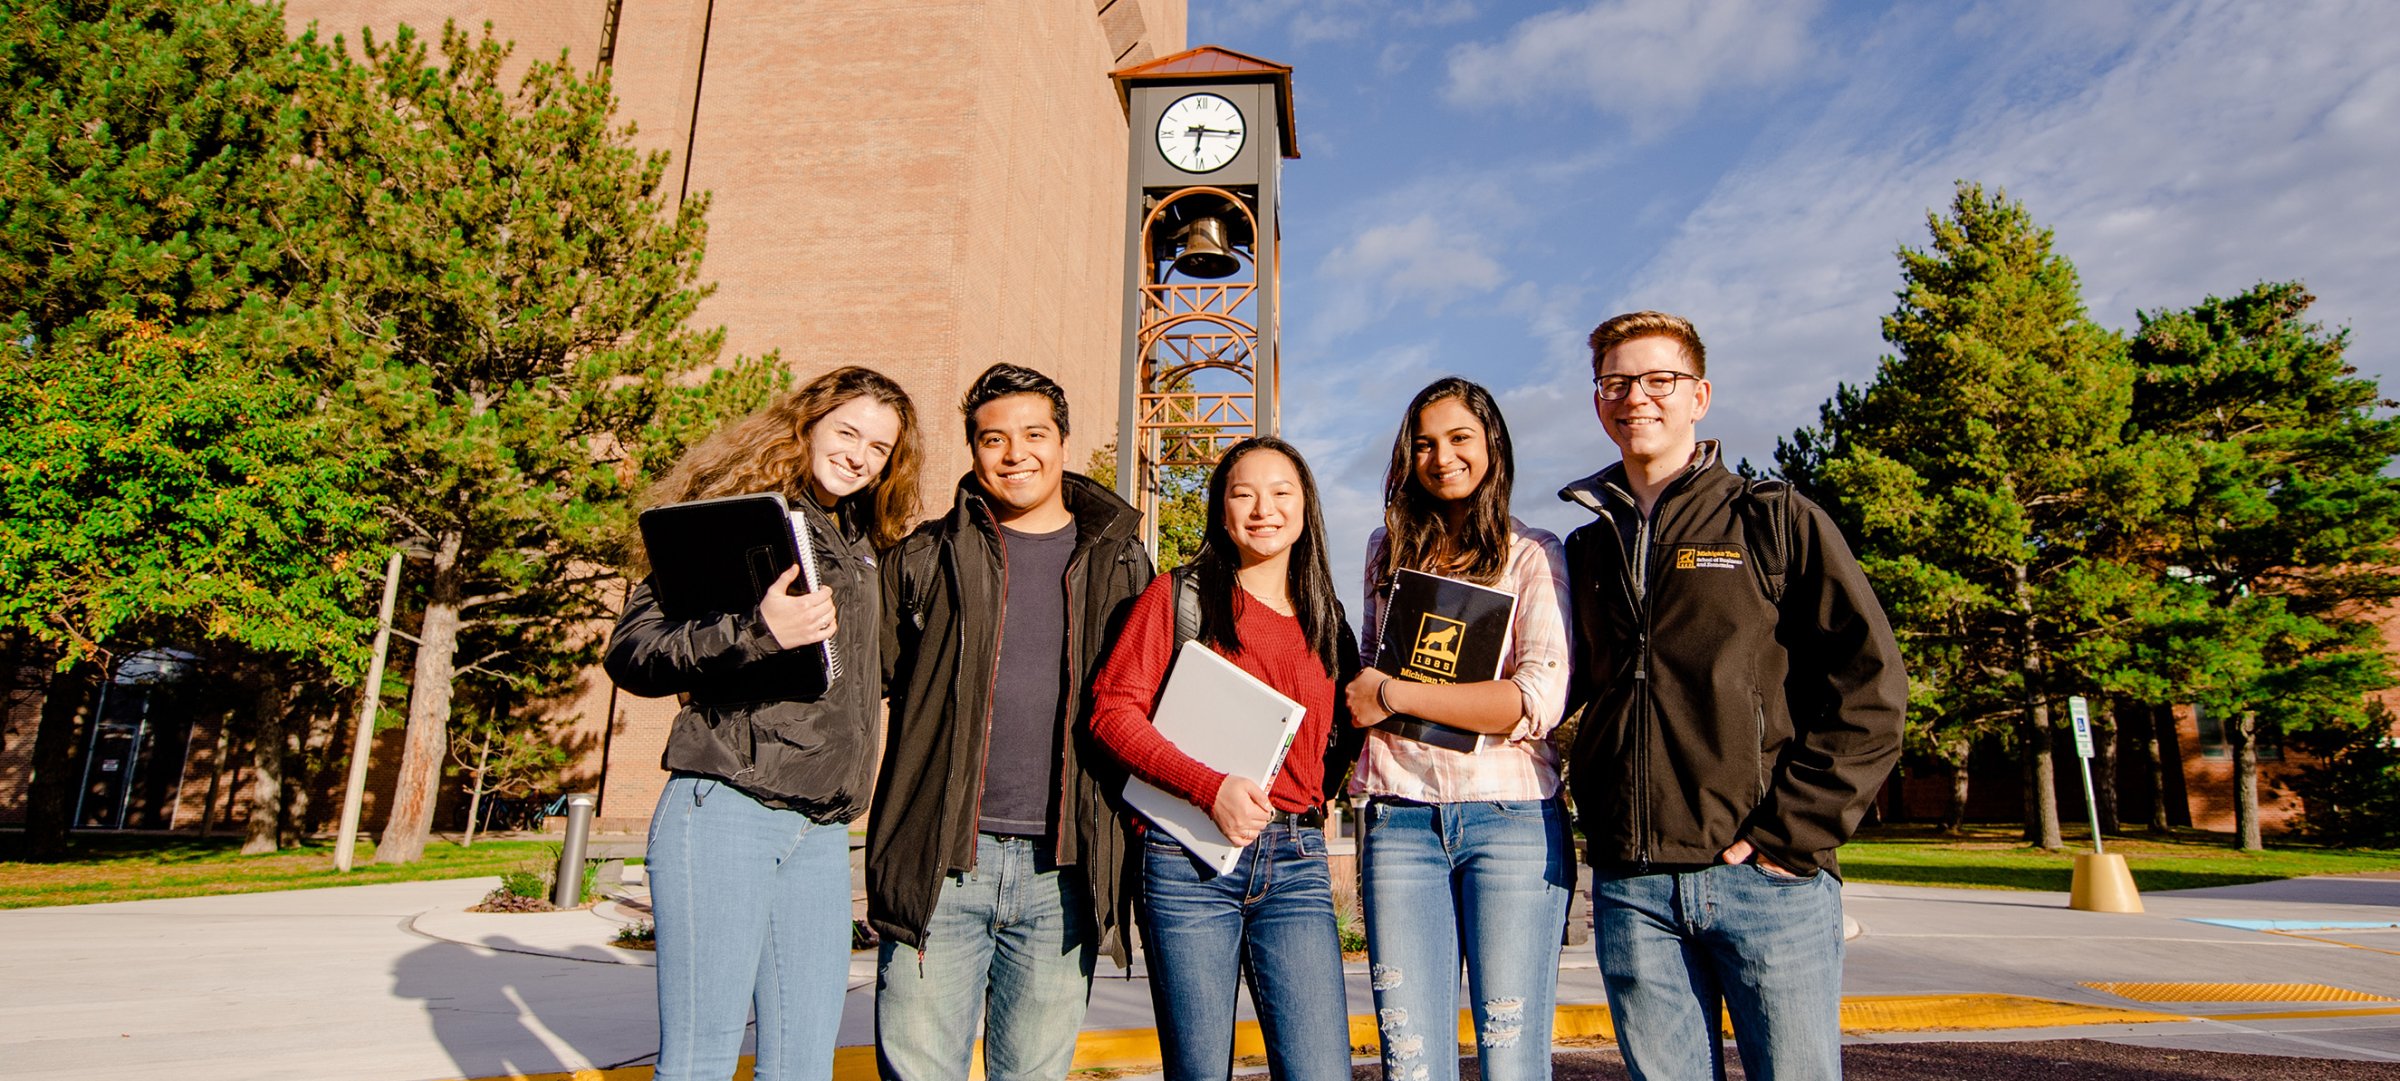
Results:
x,y
507,1009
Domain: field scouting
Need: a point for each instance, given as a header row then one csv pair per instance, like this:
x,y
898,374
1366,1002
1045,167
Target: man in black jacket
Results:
x,y
997,861
1744,705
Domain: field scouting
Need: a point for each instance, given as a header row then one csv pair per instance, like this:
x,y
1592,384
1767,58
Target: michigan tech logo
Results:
x,y
1436,650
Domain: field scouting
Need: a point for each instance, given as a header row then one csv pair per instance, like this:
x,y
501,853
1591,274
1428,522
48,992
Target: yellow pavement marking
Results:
x,y
2286,1015
1931,1013
1137,1048
2338,942
2235,992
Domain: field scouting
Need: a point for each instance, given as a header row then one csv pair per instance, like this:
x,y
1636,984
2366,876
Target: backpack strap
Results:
x,y
920,567
1187,604
1766,510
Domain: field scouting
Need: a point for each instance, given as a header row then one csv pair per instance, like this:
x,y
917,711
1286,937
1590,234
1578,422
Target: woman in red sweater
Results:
x,y
1266,604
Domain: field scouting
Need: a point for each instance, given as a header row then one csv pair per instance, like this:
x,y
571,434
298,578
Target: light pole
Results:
x,y
364,739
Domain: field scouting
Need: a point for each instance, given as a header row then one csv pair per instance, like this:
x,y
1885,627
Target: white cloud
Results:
x,y
1649,61
1422,260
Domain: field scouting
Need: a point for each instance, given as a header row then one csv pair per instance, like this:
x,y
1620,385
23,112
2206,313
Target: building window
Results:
x,y
2265,731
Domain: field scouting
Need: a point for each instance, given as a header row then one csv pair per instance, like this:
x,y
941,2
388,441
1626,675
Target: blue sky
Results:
x,y
1482,182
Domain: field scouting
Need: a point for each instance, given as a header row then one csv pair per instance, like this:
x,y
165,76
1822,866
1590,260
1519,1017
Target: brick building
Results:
x,y
924,189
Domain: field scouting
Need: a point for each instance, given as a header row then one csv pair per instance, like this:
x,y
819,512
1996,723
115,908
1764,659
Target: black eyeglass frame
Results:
x,y
1625,384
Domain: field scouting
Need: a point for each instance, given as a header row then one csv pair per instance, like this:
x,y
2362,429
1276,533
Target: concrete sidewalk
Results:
x,y
400,983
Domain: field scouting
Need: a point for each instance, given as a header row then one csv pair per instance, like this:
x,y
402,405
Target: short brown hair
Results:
x,y
1624,328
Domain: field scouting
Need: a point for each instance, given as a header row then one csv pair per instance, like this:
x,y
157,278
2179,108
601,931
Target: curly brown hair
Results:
x,y
767,451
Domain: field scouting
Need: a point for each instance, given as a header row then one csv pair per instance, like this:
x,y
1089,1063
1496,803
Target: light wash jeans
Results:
x,y
1488,882
1270,918
1009,943
1675,948
752,906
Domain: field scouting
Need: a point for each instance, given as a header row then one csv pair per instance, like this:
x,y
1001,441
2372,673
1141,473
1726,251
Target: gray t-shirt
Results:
x,y
1020,765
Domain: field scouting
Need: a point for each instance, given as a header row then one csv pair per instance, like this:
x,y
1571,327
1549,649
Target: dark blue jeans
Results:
x,y
1676,947
1271,917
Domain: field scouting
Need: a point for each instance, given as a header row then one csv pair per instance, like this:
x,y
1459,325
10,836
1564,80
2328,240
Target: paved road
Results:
x,y
399,983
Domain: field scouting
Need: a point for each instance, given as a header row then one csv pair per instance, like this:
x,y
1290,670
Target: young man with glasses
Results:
x,y
1744,705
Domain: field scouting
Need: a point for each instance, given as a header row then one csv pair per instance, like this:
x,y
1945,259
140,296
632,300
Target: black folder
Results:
x,y
1442,630
710,557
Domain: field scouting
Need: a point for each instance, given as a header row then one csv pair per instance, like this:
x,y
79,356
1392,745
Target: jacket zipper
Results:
x,y
1639,568
1066,712
1637,572
983,765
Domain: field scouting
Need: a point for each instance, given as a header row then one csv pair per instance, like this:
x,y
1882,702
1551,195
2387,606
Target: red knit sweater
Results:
x,y
1273,648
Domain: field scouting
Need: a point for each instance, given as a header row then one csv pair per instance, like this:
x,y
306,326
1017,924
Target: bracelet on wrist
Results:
x,y
1380,700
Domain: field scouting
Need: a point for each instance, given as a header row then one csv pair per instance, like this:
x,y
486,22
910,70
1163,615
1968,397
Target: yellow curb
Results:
x,y
1136,1049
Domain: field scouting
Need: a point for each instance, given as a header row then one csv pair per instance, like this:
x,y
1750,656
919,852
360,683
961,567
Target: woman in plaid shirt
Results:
x,y
1467,851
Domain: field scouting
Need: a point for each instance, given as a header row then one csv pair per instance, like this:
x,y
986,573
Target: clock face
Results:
x,y
1199,133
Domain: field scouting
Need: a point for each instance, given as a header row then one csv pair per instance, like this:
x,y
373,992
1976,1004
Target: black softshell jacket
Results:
x,y
1715,713
944,587
758,717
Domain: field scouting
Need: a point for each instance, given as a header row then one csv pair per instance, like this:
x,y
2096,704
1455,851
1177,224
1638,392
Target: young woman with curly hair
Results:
x,y
749,852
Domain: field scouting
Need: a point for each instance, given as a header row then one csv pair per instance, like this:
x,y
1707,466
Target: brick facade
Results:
x,y
923,189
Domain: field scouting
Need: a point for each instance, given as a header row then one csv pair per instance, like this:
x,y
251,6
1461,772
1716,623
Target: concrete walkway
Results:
x,y
400,983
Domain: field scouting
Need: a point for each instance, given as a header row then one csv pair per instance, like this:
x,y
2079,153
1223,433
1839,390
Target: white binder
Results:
x,y
1229,720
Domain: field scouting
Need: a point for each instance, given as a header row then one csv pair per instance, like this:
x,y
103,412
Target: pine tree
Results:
x,y
1985,472
506,309
2287,539
155,464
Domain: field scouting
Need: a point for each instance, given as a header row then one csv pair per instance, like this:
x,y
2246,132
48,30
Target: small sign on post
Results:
x,y
2102,882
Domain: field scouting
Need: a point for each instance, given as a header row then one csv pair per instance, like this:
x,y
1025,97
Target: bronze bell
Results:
x,y
1205,251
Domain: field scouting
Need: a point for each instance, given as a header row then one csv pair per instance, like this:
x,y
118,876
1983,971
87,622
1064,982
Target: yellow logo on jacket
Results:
x,y
1436,650
1695,559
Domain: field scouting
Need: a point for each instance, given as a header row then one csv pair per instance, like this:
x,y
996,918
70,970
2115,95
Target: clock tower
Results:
x,y
1209,131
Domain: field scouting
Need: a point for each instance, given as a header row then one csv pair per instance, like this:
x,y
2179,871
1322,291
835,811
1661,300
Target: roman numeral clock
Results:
x,y
1208,131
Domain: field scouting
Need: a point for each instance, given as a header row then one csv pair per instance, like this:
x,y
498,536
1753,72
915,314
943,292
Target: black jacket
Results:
x,y
754,716
943,588
1717,714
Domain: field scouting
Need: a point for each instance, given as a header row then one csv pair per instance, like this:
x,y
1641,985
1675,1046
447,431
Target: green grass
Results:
x,y
103,868
1992,857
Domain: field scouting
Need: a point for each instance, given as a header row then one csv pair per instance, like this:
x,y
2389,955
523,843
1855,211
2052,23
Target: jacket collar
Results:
x,y
1594,492
1099,514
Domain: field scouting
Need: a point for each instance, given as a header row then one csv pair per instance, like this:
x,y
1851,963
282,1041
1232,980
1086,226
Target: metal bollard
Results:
x,y
566,888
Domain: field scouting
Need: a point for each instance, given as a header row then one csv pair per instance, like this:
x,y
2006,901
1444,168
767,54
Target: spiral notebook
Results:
x,y
713,556
1232,722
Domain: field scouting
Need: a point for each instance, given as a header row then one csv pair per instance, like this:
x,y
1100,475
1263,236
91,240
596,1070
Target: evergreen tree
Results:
x,y
155,463
505,307
2286,542
1986,475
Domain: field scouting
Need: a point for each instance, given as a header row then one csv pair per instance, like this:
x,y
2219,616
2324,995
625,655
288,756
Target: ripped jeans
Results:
x,y
1484,882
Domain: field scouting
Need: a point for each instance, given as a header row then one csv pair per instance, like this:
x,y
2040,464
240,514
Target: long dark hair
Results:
x,y
1306,578
1416,536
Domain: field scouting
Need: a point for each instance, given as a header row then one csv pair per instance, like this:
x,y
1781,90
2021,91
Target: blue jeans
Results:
x,y
1488,882
1674,947
1271,917
1010,943
752,906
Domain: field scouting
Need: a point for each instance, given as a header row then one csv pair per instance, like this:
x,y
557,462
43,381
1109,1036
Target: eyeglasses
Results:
x,y
1658,384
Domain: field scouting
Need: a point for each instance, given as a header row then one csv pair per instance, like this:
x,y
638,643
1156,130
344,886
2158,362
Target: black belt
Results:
x,y
1432,733
1313,818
